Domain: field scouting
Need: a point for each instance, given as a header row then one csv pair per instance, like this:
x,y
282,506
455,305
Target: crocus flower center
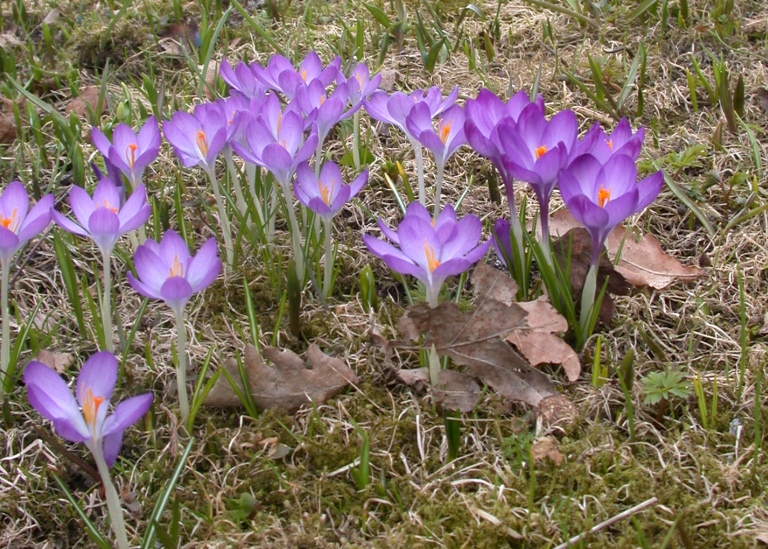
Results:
x,y
108,206
326,192
359,79
603,196
541,151
202,142
10,223
91,407
445,130
609,142
177,269
432,261
130,154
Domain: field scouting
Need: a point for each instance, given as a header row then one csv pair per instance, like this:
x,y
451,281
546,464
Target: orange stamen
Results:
x,y
91,407
279,122
432,262
326,192
202,142
130,154
11,223
609,142
109,206
541,151
304,74
603,196
322,99
445,130
177,269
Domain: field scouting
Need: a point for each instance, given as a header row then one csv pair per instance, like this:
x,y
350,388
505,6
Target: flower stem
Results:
x,y
181,364
234,179
544,236
5,349
588,298
298,255
106,302
356,140
222,216
419,171
328,273
438,186
113,500
318,154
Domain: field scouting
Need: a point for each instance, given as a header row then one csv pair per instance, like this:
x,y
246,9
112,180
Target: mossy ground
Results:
x,y
709,484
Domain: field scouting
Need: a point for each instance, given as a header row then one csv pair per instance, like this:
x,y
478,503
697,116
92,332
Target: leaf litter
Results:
x,y
288,383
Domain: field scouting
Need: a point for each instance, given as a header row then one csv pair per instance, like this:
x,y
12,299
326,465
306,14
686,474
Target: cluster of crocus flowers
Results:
x,y
129,152
104,218
18,224
167,271
326,195
430,249
87,419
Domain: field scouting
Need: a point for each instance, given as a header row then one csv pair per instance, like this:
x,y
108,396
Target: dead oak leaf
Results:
x,y
288,383
7,122
475,339
546,448
59,362
537,340
642,263
88,100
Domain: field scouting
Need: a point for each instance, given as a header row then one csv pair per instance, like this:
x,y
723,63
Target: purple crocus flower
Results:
x,y
602,146
128,152
502,240
241,80
360,83
444,141
394,109
321,109
18,224
429,251
601,196
198,139
169,272
327,194
102,217
85,419
280,75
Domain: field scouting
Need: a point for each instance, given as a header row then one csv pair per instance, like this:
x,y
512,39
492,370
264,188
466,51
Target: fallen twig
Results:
x,y
621,516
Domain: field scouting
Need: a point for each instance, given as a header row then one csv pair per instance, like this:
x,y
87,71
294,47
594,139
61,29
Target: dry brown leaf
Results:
x,y
288,384
537,340
762,97
388,80
130,501
52,17
87,100
59,362
7,122
642,263
456,391
9,39
417,378
475,340
209,90
546,448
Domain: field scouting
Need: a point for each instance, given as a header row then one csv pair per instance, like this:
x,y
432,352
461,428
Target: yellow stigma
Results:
x,y
359,79
432,262
10,223
177,269
444,130
202,142
326,192
90,406
609,142
603,196
541,151
130,154
304,74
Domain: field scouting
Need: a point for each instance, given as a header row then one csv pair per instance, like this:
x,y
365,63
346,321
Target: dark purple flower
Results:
x,y
602,146
102,217
280,75
85,419
360,84
501,233
601,196
275,141
169,272
431,252
128,152
241,80
327,195
17,223
198,139
444,141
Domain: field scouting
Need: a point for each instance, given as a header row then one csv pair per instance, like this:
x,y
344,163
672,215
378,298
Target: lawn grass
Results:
x,y
233,491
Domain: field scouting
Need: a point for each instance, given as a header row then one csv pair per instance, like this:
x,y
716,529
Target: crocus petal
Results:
x,y
14,199
127,413
9,244
37,219
100,141
204,267
51,397
104,227
67,224
172,245
106,194
111,445
99,374
143,289
648,189
135,212
176,291
150,268
358,183
81,204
